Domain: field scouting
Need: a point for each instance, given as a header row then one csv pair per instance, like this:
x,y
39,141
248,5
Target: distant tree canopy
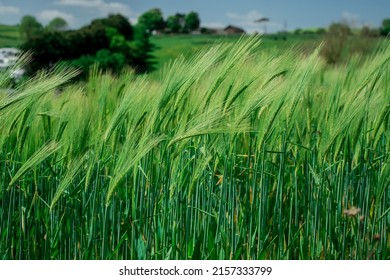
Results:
x,y
385,28
57,24
29,27
339,29
367,31
142,49
110,42
192,22
174,23
183,23
117,21
152,20
335,41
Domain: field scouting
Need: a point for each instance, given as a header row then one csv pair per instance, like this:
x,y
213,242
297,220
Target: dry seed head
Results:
x,y
220,179
351,212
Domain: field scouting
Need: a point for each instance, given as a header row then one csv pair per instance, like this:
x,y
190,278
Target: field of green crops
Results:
x,y
9,36
168,47
232,154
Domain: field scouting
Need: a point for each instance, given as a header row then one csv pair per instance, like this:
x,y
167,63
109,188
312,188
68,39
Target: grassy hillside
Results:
x,y
233,154
9,36
168,47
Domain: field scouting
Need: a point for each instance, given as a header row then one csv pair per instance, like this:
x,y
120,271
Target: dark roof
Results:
x,y
234,28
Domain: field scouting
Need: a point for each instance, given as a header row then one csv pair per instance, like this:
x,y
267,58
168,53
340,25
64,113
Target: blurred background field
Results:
x,y
166,48
9,36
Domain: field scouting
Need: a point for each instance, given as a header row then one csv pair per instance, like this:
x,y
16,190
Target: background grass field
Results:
x,y
169,47
9,36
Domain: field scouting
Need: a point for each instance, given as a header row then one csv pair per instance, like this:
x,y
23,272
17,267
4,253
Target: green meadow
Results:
x,y
9,36
236,153
169,47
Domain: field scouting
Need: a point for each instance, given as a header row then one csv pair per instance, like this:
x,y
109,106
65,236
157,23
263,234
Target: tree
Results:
x,y
57,24
298,31
192,22
93,37
109,42
321,31
339,29
117,41
367,31
141,49
174,24
385,28
120,23
47,48
335,41
120,49
29,27
152,20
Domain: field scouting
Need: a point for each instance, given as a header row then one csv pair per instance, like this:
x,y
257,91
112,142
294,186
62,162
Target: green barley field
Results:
x,y
231,154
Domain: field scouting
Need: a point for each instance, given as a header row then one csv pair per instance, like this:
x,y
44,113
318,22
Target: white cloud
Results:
x,y
101,5
6,10
116,7
247,21
81,3
48,15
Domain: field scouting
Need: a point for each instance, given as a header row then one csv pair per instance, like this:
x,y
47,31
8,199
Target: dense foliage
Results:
x,y
153,20
385,28
105,39
192,22
234,154
29,27
57,24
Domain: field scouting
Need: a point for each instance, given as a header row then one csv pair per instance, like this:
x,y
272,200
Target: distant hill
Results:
x,y
9,36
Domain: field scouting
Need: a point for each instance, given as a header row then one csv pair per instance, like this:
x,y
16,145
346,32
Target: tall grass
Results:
x,y
233,154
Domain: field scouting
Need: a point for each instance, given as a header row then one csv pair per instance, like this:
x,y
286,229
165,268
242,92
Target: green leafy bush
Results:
x,y
112,36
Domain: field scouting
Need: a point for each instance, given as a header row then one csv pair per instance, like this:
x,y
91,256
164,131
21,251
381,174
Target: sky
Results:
x,y
282,14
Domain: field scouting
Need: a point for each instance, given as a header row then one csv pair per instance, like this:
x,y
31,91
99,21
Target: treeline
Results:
x,y
345,28
153,21
112,43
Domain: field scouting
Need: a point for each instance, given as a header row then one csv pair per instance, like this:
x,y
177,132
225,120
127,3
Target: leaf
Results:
x,y
141,249
35,159
74,169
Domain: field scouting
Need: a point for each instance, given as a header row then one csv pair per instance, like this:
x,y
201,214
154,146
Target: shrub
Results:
x,y
335,41
385,28
369,32
112,35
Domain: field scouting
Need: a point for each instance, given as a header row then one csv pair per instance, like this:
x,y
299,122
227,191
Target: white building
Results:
x,y
8,58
